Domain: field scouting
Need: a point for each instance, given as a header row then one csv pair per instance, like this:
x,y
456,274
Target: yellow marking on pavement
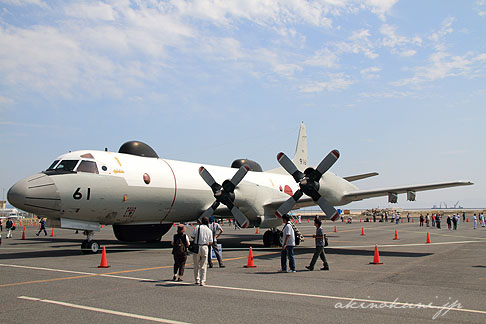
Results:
x,y
46,280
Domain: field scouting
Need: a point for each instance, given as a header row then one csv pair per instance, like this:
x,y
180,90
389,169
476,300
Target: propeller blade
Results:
x,y
210,211
327,162
287,205
239,175
328,209
208,178
240,217
289,166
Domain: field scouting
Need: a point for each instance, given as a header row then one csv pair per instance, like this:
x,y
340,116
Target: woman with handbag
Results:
x,y
180,243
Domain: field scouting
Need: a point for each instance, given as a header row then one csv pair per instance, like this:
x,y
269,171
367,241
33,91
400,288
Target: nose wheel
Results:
x,y
89,246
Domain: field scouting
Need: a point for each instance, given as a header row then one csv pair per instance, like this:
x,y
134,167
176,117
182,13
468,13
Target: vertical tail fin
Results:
x,y
300,158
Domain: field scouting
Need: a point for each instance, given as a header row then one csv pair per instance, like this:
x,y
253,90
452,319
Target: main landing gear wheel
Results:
x,y
90,247
271,238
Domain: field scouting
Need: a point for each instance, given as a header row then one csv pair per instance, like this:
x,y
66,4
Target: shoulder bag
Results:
x,y
194,247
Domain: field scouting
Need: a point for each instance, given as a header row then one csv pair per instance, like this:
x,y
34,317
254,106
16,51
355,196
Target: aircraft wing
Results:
x,y
364,194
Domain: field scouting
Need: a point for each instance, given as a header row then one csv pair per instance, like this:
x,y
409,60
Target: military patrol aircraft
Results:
x,y
142,195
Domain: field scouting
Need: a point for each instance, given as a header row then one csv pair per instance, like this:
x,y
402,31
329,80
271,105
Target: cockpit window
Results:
x,y
66,165
53,165
88,166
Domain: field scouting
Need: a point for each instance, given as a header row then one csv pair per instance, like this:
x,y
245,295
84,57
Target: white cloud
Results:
x,y
371,72
323,58
39,3
381,7
337,81
91,11
480,7
442,65
389,94
358,42
397,43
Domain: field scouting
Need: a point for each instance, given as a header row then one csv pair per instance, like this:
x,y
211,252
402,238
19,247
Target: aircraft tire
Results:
x,y
84,248
267,238
93,247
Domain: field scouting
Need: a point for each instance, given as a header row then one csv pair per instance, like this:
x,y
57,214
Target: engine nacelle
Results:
x,y
140,233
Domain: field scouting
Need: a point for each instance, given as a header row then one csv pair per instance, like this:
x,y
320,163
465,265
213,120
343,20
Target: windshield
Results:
x,y
87,166
66,165
53,165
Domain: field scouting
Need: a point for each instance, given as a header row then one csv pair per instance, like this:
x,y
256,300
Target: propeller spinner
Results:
x,y
308,183
225,194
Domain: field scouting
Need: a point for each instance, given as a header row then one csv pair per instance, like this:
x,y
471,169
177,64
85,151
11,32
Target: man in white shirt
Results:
x,y
203,237
217,230
288,244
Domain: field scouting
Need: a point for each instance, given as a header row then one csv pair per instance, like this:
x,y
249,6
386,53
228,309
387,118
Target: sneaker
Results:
x,y
174,278
210,266
180,279
197,282
325,268
309,268
203,284
290,271
282,270
222,266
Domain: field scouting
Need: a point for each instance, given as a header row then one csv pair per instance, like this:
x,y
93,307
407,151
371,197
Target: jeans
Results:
x,y
289,251
214,247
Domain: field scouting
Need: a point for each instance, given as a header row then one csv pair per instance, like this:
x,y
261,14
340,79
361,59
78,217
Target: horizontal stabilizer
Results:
x,y
360,176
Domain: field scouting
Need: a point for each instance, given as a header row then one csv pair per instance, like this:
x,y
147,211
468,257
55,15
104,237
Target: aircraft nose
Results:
x,y
36,194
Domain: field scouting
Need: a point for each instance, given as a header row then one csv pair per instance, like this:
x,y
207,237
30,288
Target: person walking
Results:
x,y
475,221
288,244
42,227
319,252
449,223
217,230
203,237
408,218
421,220
481,219
433,220
427,220
180,243
437,221
9,227
1,225
454,222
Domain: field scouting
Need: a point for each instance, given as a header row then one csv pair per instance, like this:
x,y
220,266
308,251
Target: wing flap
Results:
x,y
364,194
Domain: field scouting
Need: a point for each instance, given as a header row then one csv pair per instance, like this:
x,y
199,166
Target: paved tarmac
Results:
x,y
47,279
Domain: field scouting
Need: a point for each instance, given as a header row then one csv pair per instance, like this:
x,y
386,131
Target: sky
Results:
x,y
398,87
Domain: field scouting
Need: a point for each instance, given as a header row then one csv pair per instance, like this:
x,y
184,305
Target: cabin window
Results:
x,y
53,165
66,165
88,166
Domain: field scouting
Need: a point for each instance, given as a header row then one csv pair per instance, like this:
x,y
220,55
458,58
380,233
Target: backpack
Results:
x,y
180,247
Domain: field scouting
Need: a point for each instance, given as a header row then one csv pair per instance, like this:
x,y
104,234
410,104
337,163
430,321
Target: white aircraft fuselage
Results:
x,y
119,192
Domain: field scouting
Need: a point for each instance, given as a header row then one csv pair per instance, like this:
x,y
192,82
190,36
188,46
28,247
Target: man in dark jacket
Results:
x,y
42,227
9,227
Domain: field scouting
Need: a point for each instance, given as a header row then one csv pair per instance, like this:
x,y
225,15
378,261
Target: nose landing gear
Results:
x,y
89,245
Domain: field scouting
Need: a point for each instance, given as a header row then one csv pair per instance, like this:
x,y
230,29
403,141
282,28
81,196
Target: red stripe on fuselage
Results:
x,y
175,191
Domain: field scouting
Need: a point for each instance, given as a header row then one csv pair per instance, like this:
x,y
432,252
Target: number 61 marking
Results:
x,y
78,195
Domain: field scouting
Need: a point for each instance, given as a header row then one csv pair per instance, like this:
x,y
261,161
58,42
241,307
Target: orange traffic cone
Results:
x,y
376,258
103,263
362,231
223,223
401,221
412,220
360,220
52,234
467,220
25,227
428,238
335,229
250,264
256,230
396,235
23,235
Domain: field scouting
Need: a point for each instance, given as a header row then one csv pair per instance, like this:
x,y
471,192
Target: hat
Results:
x,y
180,227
